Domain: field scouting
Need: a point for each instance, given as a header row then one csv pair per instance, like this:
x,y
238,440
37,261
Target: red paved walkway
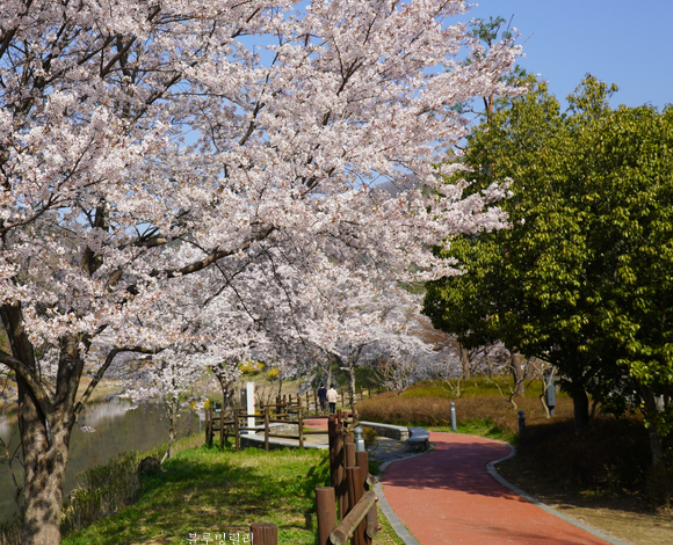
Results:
x,y
448,497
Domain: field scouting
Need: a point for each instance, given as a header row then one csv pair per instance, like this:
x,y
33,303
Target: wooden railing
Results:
x,y
292,410
350,490
277,413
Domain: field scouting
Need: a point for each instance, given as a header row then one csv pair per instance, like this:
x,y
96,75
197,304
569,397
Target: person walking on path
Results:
x,y
322,398
332,398
448,497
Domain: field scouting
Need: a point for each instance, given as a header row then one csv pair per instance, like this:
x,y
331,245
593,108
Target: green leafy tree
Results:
x,y
583,277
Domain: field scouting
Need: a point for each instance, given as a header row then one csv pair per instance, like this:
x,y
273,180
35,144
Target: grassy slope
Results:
x,y
205,490
211,491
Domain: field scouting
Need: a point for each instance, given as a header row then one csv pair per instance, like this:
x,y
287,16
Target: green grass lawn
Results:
x,y
208,491
483,427
211,491
478,386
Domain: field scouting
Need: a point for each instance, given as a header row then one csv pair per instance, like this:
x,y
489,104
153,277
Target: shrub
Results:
x,y
370,436
10,532
251,367
610,454
105,489
112,486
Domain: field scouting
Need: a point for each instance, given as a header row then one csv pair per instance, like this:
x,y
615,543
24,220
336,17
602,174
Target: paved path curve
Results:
x,y
447,497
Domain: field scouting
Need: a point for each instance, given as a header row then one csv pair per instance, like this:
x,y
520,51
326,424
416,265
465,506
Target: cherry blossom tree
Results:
x,y
402,355
143,142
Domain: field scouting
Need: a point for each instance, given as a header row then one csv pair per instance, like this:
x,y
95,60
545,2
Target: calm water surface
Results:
x,y
118,428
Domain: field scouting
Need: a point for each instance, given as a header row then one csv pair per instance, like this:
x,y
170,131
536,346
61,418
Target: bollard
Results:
x,y
550,392
359,439
453,416
522,423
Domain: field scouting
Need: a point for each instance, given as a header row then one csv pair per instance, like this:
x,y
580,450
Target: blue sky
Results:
x,y
624,42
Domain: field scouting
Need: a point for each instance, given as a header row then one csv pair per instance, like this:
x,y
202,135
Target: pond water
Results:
x,y
119,427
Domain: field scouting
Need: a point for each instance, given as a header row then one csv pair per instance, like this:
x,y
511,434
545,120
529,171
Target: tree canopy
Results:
x,y
182,174
582,276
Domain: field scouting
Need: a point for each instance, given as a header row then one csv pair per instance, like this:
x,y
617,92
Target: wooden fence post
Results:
x,y
355,492
266,429
324,498
350,452
362,461
300,425
237,431
221,428
264,533
207,413
336,463
371,524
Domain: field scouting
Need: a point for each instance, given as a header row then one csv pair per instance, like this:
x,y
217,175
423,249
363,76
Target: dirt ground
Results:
x,y
626,518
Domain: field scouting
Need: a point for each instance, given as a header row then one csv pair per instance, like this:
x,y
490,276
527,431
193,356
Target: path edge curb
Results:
x,y
490,467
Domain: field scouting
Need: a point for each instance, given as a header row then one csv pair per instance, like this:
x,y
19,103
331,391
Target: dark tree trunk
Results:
x,y
329,375
351,386
655,444
225,387
174,409
45,452
45,424
518,369
651,409
580,409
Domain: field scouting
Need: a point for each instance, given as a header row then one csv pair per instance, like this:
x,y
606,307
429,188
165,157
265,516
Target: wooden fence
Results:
x,y
351,490
290,410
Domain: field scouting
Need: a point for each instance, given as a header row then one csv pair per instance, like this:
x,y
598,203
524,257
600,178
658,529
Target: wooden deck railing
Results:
x,y
292,410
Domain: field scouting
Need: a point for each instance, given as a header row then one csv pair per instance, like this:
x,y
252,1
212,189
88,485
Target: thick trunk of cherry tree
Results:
x,y
226,387
465,362
518,368
351,387
45,455
45,424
